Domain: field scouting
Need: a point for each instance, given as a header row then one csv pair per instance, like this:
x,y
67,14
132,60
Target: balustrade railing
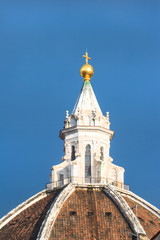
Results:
x,y
86,181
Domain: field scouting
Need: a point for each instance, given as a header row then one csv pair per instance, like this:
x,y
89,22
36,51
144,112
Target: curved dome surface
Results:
x,y
89,214
78,212
25,221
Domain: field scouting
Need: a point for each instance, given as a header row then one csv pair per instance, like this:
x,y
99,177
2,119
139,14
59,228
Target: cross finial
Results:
x,y
86,57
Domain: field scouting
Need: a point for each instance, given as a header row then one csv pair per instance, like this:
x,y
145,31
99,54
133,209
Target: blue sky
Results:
x,y
41,48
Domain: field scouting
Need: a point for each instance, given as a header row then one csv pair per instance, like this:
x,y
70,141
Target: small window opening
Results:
x,y
90,213
73,155
88,163
152,222
73,213
141,219
108,214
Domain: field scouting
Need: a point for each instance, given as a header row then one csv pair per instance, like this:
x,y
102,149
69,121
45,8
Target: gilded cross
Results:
x,y
86,57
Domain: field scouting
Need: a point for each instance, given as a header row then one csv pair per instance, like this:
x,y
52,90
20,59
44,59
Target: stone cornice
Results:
x,y
85,128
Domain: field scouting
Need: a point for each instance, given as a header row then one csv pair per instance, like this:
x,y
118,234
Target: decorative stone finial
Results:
x,y
67,114
87,70
107,116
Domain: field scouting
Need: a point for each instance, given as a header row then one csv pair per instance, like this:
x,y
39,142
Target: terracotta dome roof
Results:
x,y
149,221
25,221
81,212
90,214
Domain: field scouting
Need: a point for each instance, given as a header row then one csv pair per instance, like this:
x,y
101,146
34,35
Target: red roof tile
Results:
x,y
149,221
26,225
90,214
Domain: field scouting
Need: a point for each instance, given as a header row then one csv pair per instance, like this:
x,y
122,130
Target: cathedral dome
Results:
x,y
81,212
86,197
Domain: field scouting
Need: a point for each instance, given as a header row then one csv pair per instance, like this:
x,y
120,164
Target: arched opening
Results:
x,y
73,155
88,163
101,153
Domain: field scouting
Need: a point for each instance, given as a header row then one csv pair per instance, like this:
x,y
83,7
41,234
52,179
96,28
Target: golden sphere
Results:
x,y
87,71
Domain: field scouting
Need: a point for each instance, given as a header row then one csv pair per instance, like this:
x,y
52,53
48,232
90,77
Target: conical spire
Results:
x,y
86,102
86,111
